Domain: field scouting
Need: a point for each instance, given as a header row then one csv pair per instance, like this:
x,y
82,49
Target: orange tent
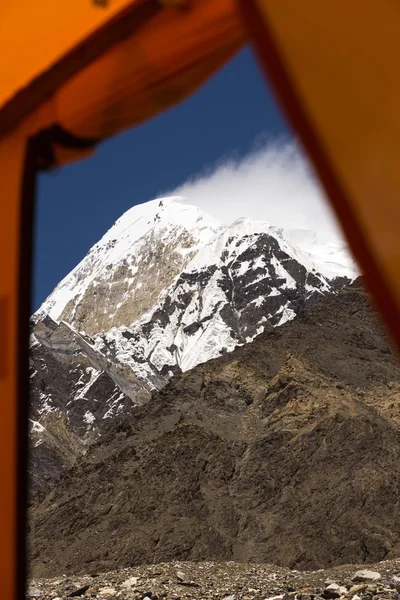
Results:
x,y
76,72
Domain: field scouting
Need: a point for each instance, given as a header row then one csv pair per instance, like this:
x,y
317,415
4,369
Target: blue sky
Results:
x,y
78,204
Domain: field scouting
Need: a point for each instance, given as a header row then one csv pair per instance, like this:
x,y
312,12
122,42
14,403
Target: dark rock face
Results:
x,y
284,451
247,284
60,383
255,286
73,397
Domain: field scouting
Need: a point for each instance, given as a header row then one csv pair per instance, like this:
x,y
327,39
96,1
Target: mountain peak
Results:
x,y
163,234
166,288
132,265
157,214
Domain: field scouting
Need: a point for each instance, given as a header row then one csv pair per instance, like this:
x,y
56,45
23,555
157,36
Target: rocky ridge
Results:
x,y
74,392
285,450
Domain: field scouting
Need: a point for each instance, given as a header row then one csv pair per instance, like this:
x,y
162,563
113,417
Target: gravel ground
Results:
x,y
227,581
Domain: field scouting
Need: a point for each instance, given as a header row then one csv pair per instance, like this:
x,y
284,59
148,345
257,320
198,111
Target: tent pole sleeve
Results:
x,y
18,174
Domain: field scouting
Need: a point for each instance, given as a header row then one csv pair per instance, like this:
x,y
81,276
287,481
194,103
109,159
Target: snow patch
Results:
x,y
36,426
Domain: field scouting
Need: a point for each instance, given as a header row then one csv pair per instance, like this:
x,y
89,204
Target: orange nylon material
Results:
x,y
36,33
12,156
11,162
342,62
161,64
341,57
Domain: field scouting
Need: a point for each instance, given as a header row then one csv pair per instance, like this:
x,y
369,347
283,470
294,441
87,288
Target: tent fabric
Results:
x,y
143,60
76,72
334,69
12,152
166,59
38,36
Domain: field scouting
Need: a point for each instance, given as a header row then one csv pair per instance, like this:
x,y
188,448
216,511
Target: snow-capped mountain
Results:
x,y
166,288
125,273
235,287
133,264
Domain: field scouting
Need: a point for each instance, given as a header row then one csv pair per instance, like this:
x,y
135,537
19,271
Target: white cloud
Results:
x,y
273,183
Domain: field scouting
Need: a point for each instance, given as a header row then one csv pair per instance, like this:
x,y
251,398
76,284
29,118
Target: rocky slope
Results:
x,y
167,288
285,450
75,391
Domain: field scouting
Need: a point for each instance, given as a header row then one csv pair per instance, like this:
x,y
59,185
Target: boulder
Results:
x,y
366,576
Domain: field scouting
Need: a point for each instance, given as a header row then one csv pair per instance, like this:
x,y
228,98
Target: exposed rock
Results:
x,y
76,392
395,582
79,592
366,575
107,591
334,590
130,583
356,589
